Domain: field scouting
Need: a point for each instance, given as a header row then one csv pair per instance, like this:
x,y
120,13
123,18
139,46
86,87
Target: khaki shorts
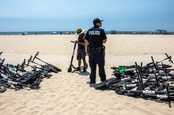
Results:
x,y
81,54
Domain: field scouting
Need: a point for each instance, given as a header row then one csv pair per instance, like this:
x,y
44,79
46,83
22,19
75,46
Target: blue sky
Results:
x,y
58,15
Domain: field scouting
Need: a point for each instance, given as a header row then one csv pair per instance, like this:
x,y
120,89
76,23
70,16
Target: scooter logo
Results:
x,y
13,68
121,69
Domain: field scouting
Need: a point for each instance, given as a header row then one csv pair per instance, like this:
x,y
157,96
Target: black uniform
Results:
x,y
95,37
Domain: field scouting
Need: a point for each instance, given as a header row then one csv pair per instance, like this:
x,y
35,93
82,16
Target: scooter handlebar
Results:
x,y
73,41
29,60
169,57
37,53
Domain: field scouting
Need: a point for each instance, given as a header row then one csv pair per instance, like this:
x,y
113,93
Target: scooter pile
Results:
x,y
151,81
27,74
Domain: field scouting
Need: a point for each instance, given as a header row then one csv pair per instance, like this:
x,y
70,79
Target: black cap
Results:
x,y
97,20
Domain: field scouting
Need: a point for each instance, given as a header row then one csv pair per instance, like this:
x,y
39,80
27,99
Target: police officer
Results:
x,y
94,40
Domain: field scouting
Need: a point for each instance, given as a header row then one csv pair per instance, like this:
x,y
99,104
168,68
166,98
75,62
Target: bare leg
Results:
x,y
84,63
79,63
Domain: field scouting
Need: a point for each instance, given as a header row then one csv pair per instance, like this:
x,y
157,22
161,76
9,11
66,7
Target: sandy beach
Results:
x,y
67,93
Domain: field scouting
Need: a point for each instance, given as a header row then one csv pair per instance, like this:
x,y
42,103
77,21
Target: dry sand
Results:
x,y
67,93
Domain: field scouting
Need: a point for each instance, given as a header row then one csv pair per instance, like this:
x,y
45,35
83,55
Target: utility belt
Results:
x,y
100,48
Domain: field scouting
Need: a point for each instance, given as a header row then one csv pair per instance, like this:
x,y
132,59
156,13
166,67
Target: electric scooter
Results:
x,y
71,65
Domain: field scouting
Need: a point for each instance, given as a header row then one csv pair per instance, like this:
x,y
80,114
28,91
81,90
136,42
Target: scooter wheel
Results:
x,y
69,69
2,89
56,68
35,87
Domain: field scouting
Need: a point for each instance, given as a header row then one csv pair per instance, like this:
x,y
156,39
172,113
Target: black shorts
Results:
x,y
81,54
